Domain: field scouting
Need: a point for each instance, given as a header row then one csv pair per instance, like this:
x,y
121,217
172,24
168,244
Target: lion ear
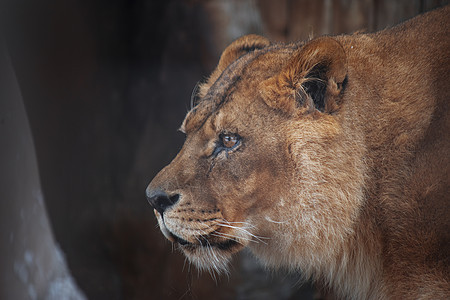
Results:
x,y
235,50
240,47
313,78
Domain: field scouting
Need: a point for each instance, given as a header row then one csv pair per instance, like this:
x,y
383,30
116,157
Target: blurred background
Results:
x,y
105,85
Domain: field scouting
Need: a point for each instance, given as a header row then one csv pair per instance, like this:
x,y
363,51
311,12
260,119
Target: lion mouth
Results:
x,y
211,251
203,242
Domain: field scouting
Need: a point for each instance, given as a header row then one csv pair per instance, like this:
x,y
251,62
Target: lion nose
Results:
x,y
160,201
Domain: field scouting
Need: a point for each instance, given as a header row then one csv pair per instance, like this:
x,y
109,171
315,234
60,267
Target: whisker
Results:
x,y
234,237
184,264
215,269
259,238
194,95
244,223
199,241
230,237
276,222
185,293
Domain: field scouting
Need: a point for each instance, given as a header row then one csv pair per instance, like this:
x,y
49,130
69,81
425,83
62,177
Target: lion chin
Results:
x,y
329,158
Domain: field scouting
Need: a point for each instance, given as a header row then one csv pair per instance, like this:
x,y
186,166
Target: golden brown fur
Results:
x,y
341,169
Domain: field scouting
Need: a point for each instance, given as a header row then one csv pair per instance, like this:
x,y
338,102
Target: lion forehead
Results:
x,y
243,76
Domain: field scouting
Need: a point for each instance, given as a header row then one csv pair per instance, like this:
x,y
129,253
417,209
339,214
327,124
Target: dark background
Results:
x,y
106,84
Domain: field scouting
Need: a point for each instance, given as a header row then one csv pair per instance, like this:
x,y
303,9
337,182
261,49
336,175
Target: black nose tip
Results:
x,y
160,200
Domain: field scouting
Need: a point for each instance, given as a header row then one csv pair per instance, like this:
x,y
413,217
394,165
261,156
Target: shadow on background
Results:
x,y
105,86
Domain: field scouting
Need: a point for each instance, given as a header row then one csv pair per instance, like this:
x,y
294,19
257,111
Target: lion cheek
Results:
x,y
277,249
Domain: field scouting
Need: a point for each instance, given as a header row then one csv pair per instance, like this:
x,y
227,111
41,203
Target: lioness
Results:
x,y
330,157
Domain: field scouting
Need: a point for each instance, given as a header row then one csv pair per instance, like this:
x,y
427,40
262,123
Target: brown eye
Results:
x,y
229,141
226,142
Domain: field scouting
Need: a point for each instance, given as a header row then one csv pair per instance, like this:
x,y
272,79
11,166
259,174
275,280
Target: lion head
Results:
x,y
272,160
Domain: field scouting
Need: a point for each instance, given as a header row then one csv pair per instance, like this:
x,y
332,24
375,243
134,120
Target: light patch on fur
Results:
x,y
324,202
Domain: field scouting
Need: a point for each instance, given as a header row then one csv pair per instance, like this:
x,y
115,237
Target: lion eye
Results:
x,y
229,141
226,142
